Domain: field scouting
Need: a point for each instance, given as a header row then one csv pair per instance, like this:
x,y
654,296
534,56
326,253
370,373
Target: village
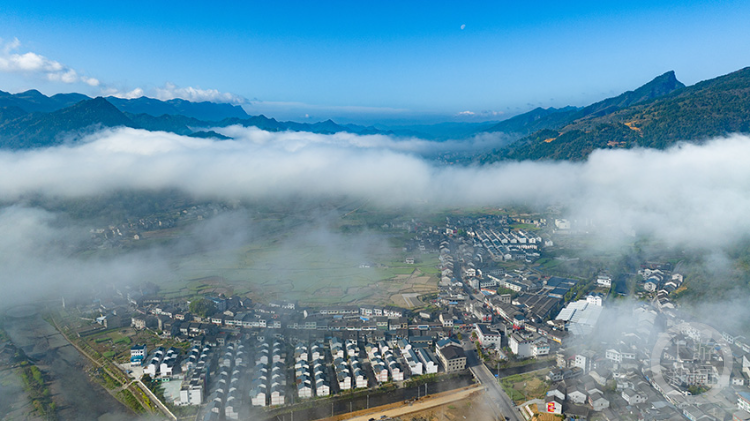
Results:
x,y
229,355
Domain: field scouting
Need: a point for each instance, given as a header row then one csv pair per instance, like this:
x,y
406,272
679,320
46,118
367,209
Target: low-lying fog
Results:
x,y
691,196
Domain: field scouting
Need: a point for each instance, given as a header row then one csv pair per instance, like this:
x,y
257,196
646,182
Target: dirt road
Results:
x,y
397,410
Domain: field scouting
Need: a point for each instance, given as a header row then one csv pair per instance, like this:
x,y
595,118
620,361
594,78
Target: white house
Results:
x,y
488,337
604,280
430,365
633,397
138,354
617,356
412,360
595,299
598,402
277,394
576,396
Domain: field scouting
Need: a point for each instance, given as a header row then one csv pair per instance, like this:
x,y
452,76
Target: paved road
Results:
x,y
498,400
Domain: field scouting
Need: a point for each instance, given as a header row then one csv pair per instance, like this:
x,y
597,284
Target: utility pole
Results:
x,y
368,401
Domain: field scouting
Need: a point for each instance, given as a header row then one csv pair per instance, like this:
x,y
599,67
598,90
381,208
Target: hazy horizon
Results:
x,y
394,62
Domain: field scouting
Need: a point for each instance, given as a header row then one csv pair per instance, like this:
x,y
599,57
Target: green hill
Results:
x,y
48,129
553,118
711,108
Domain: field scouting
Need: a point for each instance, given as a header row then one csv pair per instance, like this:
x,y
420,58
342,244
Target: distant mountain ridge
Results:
x,y
553,118
208,111
656,115
32,120
715,107
34,101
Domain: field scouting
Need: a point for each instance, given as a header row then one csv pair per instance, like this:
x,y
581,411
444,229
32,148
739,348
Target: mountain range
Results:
x,y
658,114
31,119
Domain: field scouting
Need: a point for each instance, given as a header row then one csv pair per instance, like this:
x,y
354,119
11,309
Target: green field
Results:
x,y
312,272
525,227
523,387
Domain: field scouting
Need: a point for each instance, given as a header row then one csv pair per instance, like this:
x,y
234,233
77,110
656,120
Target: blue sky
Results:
x,y
369,61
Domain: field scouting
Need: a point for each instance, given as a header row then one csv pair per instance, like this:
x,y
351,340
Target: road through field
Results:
x,y
420,405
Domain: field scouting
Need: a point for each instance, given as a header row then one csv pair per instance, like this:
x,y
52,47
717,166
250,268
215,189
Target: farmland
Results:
x,y
315,270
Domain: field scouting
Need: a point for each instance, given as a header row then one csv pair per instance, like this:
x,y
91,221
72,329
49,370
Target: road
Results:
x,y
421,405
498,400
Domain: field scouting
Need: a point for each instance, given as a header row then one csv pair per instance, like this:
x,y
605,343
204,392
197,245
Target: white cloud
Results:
x,y
36,252
463,27
90,81
485,113
171,91
110,91
697,196
678,195
10,45
32,64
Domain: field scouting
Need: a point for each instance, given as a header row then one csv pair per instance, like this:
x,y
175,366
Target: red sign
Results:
x,y
554,407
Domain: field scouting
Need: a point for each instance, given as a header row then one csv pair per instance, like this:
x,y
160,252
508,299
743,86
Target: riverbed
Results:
x,y
76,397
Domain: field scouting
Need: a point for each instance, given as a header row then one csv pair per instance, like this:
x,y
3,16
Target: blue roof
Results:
x,y
445,341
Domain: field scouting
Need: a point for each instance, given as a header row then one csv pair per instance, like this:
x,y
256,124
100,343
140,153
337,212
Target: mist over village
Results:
x,y
348,211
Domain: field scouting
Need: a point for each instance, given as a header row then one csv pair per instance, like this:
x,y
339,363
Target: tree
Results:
x,y
202,307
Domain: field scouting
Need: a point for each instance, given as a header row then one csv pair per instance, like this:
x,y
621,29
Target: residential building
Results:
x,y
633,397
488,337
598,402
430,366
138,354
743,401
453,358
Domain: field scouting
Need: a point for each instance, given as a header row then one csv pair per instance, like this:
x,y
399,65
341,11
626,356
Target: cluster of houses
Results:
x,y
161,362
197,368
418,359
226,401
661,281
120,232
257,375
384,362
620,376
234,314
302,372
268,381
507,245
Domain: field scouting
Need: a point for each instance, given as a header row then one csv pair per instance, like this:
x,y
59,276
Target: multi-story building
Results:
x,y
453,358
